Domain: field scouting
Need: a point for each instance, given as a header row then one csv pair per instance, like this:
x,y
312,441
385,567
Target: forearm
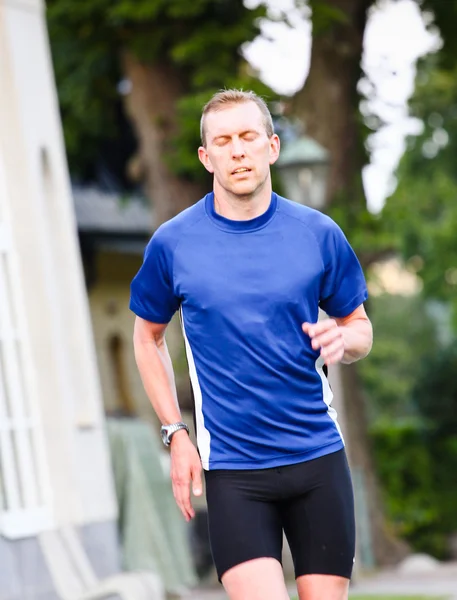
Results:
x,y
358,339
156,371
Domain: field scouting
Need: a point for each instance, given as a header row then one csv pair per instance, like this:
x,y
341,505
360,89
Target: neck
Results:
x,y
242,208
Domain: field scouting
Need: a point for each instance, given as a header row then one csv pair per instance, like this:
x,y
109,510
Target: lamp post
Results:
x,y
303,167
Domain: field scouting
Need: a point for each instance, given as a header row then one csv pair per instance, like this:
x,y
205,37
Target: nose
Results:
x,y
237,148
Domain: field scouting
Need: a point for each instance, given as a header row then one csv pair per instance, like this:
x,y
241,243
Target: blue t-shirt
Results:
x,y
244,288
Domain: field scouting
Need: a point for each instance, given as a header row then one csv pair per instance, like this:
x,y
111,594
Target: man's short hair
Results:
x,y
225,98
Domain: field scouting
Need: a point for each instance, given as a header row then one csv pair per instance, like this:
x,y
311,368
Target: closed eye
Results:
x,y
250,136
221,141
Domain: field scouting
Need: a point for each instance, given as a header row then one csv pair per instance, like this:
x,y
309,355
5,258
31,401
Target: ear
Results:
x,y
275,146
204,159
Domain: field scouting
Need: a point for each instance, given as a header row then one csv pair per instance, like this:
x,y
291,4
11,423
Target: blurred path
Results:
x,y
440,580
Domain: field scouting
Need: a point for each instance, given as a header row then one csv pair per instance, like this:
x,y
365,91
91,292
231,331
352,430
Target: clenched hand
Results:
x,y
327,337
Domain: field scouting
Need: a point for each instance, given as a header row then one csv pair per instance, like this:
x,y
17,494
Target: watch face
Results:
x,y
164,434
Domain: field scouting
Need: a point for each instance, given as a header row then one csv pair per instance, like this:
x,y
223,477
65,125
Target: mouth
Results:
x,y
241,170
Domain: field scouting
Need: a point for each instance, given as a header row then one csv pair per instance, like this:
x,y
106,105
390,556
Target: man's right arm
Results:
x,y
156,371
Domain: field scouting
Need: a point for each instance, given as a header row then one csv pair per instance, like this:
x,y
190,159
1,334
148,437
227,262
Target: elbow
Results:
x,y
360,345
368,339
146,333
362,352
369,345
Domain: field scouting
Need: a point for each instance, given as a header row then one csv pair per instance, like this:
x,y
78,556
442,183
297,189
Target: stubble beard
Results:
x,y
248,196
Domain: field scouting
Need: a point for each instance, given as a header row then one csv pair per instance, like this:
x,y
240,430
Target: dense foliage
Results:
x,y
201,40
423,211
417,458
409,379
416,449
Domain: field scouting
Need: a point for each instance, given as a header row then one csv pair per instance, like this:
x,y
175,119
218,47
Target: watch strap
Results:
x,y
167,431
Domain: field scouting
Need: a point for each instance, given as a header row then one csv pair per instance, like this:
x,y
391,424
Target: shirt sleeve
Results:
x,y
152,295
343,288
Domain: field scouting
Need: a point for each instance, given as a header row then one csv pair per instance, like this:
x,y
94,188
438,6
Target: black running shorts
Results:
x,y
312,502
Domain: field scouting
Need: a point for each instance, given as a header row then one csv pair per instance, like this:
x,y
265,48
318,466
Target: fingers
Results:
x,y
327,337
333,353
181,491
197,480
324,339
313,329
186,468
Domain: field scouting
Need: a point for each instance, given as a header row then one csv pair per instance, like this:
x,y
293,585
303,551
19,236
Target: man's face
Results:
x,y
238,150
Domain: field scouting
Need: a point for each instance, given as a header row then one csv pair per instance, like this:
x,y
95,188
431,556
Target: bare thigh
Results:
x,y
316,587
258,579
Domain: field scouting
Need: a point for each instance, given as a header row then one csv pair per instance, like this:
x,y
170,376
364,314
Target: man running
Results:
x,y
248,270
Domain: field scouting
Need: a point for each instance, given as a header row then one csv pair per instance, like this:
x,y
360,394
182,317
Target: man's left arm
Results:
x,y
342,339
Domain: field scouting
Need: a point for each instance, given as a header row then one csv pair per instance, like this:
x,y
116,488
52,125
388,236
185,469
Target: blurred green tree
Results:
x,y
417,453
155,62
390,371
406,338
422,212
435,393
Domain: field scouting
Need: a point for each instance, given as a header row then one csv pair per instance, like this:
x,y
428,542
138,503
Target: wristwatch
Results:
x,y
167,431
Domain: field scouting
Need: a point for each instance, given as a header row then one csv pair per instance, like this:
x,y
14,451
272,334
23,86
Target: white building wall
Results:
x,y
43,229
